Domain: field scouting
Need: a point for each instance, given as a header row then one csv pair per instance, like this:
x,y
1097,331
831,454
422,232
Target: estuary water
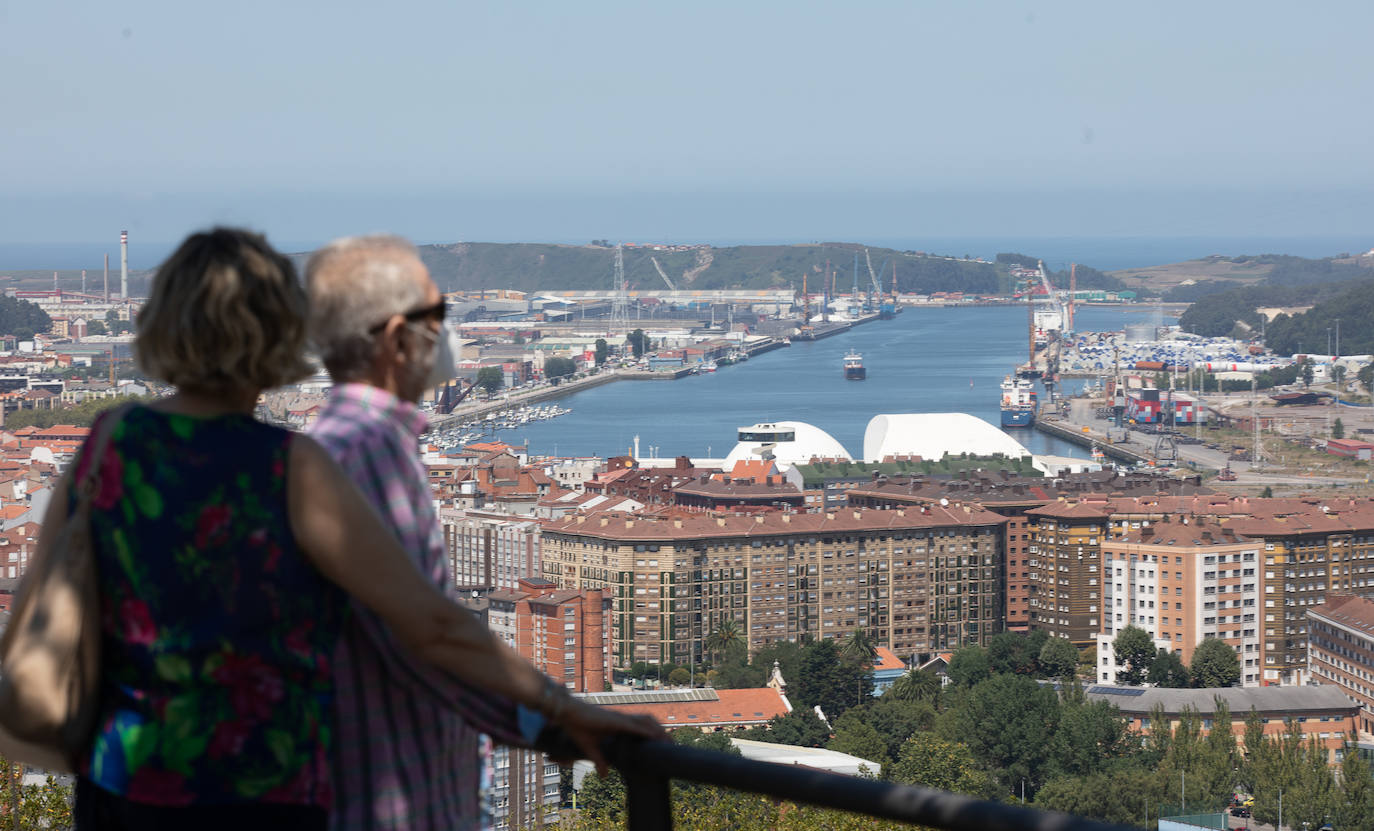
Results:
x,y
933,360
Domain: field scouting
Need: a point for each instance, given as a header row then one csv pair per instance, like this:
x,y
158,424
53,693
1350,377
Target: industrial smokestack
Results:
x,y
124,265
83,281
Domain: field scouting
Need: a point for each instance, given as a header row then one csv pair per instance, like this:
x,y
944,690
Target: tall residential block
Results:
x,y
1182,580
488,550
918,580
1065,569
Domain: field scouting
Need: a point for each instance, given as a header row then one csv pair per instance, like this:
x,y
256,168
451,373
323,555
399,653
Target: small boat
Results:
x,y
854,367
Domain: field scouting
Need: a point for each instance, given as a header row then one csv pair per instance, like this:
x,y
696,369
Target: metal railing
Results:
x,y
647,768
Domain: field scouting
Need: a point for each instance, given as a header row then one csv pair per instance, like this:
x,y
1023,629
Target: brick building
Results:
x,y
562,633
919,581
1321,713
1066,569
1341,651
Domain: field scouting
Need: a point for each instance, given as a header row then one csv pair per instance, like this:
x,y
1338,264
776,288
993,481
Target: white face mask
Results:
x,y
446,349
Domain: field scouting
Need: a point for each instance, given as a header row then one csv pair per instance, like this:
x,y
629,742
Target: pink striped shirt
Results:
x,y
406,749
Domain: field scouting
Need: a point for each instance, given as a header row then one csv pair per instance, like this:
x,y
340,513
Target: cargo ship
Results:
x,y
1018,402
854,367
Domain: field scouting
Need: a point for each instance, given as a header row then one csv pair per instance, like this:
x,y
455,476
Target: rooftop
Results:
x,y
1141,700
1348,610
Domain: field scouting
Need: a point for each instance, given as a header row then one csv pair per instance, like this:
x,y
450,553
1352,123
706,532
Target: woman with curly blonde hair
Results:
x,y
225,547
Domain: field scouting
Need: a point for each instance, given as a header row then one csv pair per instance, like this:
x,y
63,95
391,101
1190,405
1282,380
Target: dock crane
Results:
x,y
873,275
663,274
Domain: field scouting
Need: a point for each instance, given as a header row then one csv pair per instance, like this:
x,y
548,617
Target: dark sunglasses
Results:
x,y
435,312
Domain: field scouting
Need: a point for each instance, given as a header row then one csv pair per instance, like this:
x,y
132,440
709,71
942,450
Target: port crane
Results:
x,y
873,275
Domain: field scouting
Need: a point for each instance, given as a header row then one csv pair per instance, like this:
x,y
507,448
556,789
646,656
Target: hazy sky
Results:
x,y
703,120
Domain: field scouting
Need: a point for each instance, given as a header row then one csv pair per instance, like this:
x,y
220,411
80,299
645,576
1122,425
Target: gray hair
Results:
x,y
356,283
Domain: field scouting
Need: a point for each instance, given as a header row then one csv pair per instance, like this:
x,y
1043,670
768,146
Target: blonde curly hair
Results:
x,y
226,314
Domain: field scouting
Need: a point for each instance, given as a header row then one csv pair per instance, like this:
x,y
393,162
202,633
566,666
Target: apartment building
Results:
x,y
1341,651
920,580
1182,580
562,633
1066,569
1310,548
1013,496
488,550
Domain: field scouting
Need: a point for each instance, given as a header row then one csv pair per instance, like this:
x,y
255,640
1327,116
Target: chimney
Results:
x,y
124,265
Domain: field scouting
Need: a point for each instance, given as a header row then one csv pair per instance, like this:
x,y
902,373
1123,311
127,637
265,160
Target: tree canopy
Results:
x,y
1214,664
1134,653
22,318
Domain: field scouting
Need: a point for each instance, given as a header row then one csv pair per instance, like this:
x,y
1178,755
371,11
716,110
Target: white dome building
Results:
x,y
932,435
786,442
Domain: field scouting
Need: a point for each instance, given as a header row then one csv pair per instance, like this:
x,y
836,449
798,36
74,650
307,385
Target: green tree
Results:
x,y
1338,373
490,378
639,342
559,367
40,806
1167,670
1214,664
1007,722
96,327
800,727
1090,735
1366,377
915,685
1314,798
726,636
1058,658
1129,796
823,679
22,318
1016,651
603,797
929,760
1307,370
680,677
1354,804
1134,654
969,665
1267,493
602,351
696,737
859,647
859,738
1338,429
893,720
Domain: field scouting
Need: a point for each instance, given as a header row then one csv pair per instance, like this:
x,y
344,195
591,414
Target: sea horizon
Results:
x,y
1105,253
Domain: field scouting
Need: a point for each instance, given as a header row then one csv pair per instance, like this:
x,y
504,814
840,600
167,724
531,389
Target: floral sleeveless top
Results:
x,y
217,630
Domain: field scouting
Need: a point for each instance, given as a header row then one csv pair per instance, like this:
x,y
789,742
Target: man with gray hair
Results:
x,y
406,745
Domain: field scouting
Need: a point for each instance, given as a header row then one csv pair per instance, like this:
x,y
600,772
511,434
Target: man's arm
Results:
x,y
495,715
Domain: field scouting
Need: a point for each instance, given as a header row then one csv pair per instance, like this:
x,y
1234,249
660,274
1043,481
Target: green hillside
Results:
x,y
535,266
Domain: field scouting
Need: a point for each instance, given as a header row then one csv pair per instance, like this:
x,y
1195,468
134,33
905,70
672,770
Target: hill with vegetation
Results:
x,y
1220,309
543,266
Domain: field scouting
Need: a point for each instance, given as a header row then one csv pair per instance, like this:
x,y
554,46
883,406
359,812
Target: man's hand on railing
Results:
x,y
583,730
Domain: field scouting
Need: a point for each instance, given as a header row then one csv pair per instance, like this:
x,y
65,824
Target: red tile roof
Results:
x,y
887,659
735,708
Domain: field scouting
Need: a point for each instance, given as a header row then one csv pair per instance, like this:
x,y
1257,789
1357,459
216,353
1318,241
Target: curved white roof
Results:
x,y
807,442
932,435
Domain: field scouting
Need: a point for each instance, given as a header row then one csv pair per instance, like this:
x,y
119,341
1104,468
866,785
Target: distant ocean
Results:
x,y
1102,253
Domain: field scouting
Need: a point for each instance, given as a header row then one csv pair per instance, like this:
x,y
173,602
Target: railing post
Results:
x,y
648,801
648,796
